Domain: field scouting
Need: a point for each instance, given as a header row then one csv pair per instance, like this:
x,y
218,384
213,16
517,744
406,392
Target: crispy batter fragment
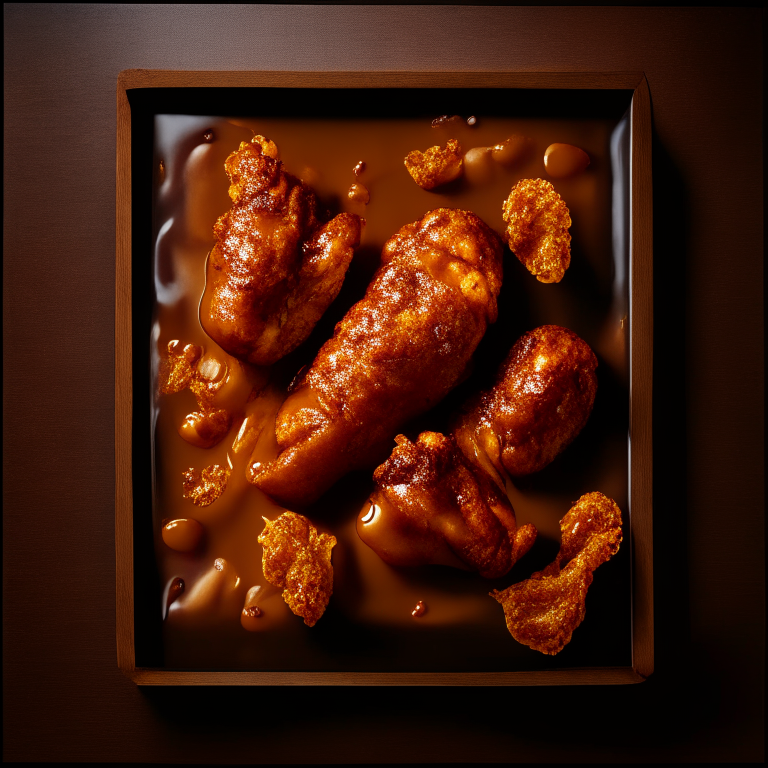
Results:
x,y
541,400
438,165
297,558
277,264
543,611
203,488
395,354
537,222
178,369
205,376
432,505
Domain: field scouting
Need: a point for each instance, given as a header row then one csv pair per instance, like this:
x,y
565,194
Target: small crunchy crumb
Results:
x,y
537,222
436,166
203,488
447,121
297,558
177,371
543,611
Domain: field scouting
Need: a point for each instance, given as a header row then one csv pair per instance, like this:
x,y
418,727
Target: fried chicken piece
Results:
x,y
297,558
437,166
542,612
395,354
537,222
276,266
432,505
542,399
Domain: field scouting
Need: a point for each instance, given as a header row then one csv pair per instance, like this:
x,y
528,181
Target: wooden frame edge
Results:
x,y
641,325
144,78
123,391
586,676
641,381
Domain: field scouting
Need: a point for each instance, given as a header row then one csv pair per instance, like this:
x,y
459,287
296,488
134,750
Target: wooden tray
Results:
x,y
143,94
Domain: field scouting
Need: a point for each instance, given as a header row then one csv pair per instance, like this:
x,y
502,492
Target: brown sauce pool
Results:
x,y
369,624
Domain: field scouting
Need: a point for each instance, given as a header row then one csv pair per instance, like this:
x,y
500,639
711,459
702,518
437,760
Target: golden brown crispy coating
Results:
x,y
394,355
537,222
432,505
178,369
296,558
543,611
275,267
203,488
438,165
542,399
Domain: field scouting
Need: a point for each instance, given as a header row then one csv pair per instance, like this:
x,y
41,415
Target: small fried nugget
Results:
x,y
543,611
433,506
537,222
438,165
542,398
203,488
297,558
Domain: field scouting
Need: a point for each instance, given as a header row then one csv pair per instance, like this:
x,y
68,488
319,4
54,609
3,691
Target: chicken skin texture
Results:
x,y
542,399
276,266
395,354
434,506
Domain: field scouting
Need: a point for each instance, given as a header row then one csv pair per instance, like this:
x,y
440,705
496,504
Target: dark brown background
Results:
x,y
64,698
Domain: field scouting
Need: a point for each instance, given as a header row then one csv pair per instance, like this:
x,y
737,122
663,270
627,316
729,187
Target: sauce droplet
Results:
x,y
161,172
209,135
359,194
471,120
419,610
359,168
563,160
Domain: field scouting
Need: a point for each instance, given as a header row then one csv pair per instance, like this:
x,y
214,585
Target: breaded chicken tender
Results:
x,y
542,612
276,266
395,354
537,222
433,506
298,559
437,166
543,396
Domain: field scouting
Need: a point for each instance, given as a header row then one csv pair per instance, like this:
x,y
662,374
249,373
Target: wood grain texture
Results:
x,y
66,700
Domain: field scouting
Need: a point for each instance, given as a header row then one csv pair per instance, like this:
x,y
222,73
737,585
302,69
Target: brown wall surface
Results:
x,y
64,698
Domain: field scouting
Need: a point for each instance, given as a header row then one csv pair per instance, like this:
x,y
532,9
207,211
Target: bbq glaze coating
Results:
x,y
542,399
537,222
542,612
431,505
395,354
298,559
275,267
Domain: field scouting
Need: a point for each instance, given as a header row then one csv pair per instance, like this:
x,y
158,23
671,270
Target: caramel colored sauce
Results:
x,y
206,626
